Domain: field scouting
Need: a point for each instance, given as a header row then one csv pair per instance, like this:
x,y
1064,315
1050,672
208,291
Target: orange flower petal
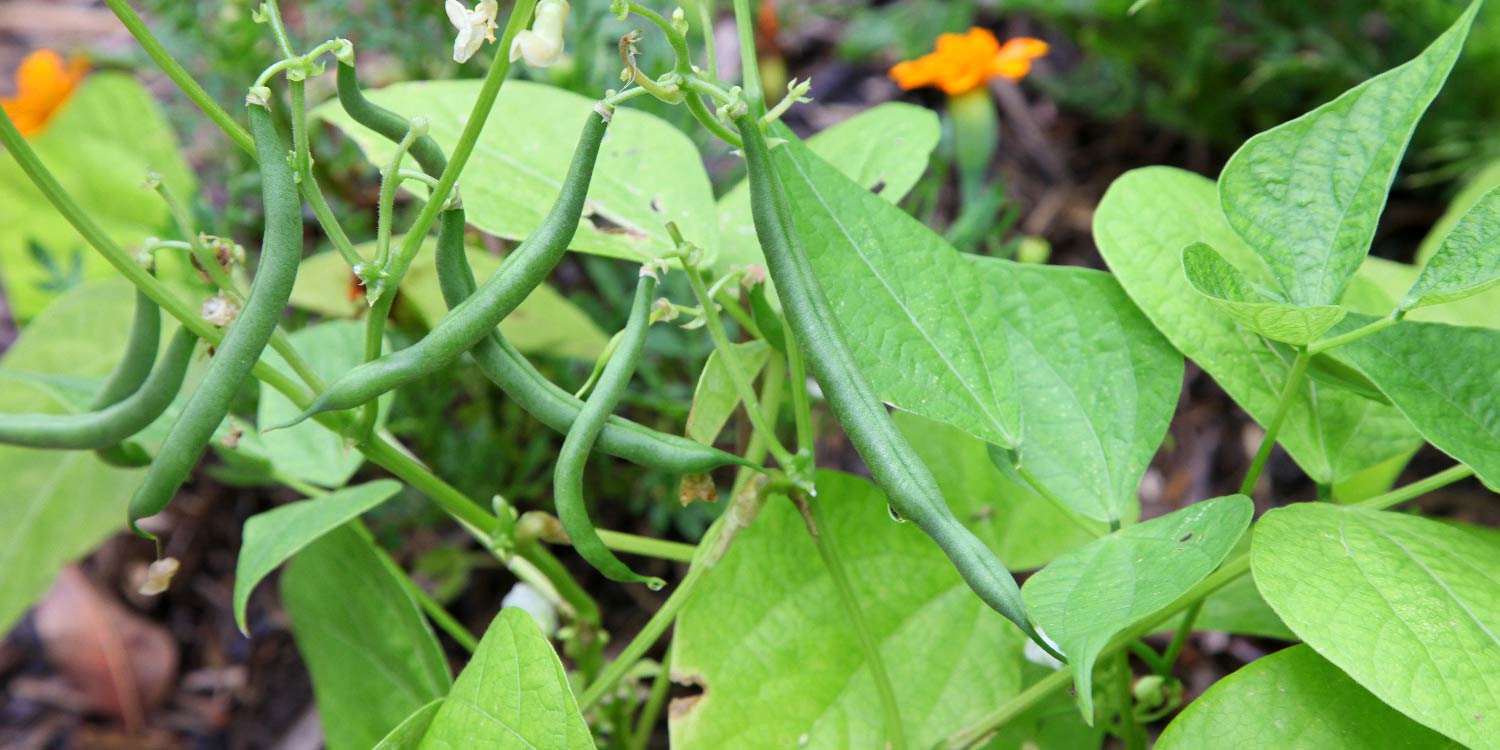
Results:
x,y
960,63
43,85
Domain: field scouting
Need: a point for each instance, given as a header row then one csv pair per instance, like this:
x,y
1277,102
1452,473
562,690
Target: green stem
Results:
x,y
1147,654
706,21
179,75
1417,489
801,404
1131,731
645,725
675,38
278,29
744,21
1294,380
646,546
736,370
828,550
1318,347
1179,639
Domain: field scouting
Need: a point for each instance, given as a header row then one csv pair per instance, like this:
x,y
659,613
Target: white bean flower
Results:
x,y
542,44
475,27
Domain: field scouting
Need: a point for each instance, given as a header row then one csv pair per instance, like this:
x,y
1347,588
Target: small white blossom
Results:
x,y
475,27
525,597
159,576
542,44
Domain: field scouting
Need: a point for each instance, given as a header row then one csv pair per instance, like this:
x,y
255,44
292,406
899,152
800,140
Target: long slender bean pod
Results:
x,y
139,358
567,484
475,317
107,426
281,251
907,482
388,124
509,369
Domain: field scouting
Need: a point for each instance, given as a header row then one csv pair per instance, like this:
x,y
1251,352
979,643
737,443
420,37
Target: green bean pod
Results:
x,y
105,427
139,357
236,355
509,369
474,318
388,124
895,466
567,484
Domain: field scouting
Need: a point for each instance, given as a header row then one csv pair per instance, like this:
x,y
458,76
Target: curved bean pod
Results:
x,y
388,124
106,427
281,251
139,358
567,484
477,316
907,482
509,369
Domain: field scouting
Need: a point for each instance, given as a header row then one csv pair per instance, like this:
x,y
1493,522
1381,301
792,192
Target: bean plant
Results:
x,y
820,609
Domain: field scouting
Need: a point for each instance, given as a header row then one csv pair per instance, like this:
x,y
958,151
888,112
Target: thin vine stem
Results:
x,y
1294,380
744,21
645,724
1318,347
895,731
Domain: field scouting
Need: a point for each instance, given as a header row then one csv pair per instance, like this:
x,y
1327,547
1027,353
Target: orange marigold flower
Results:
x,y
963,62
43,85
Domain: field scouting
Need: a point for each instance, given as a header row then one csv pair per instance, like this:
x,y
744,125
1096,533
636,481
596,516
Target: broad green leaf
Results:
x,y
1254,307
1486,180
58,505
544,323
99,146
1306,195
1444,379
372,657
1294,700
648,172
1381,284
309,451
1468,260
1053,363
1141,226
1373,481
768,640
1023,528
715,397
408,734
1237,608
1088,595
513,695
1407,606
272,537
885,147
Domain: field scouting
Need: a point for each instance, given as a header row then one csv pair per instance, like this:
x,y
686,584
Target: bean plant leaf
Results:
x,y
648,172
308,451
767,624
1145,220
1053,363
1306,195
1252,306
1024,529
544,323
58,505
1294,700
100,145
1236,608
272,537
1382,284
1468,260
1406,606
1444,379
372,656
513,695
1087,596
409,733
715,398
885,149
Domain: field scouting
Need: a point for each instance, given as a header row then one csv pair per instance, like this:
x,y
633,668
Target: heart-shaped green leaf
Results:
x,y
767,639
1051,362
648,172
513,695
715,398
1088,595
1306,195
1251,306
373,658
1294,700
1407,606
1444,379
272,537
408,734
1141,226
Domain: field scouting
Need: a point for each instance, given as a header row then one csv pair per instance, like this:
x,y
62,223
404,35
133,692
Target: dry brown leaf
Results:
x,y
123,663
